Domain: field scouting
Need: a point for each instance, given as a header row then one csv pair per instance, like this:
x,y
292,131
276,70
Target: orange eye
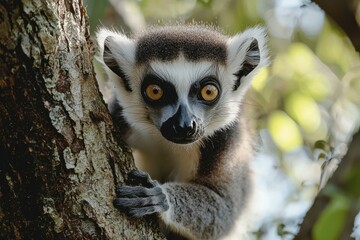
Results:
x,y
209,92
154,92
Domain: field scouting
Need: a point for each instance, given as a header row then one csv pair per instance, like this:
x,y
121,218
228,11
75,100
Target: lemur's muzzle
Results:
x,y
182,127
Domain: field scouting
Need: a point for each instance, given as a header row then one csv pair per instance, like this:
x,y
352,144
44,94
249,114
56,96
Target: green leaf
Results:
x,y
322,144
332,220
352,184
205,3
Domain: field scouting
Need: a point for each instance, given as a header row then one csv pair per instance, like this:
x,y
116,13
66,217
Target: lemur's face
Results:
x,y
181,97
182,82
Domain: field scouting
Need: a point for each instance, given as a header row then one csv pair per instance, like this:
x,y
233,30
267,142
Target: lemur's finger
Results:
x,y
140,212
139,174
143,178
140,201
137,191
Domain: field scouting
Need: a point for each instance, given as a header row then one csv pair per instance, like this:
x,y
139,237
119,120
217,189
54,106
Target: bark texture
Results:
x,y
59,153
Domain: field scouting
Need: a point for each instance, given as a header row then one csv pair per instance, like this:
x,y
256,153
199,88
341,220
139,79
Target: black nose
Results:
x,y
185,128
181,128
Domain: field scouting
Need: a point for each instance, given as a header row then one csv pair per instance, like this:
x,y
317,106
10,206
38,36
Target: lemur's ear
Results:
x,y
118,53
246,54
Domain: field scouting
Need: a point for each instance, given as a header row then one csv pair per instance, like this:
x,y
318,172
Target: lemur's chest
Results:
x,y
163,160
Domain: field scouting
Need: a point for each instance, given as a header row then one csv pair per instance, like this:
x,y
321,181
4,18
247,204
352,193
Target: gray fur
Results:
x,y
195,42
219,193
139,201
205,182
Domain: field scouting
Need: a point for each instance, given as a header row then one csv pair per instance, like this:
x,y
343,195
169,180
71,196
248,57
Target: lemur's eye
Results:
x,y
209,92
154,92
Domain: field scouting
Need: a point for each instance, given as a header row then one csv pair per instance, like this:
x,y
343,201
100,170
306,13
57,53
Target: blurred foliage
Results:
x,y
326,227
310,92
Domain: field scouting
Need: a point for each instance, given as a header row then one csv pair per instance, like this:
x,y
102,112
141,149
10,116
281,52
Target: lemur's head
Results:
x,y
185,82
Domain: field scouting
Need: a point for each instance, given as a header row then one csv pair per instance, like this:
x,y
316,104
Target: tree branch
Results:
x,y
343,13
350,161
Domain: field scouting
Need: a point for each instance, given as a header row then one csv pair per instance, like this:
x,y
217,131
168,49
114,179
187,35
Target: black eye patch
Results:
x,y
197,87
169,95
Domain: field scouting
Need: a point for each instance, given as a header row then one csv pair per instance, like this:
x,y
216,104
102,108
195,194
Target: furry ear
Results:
x,y
117,52
246,54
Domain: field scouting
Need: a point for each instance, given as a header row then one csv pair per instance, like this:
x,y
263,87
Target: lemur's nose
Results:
x,y
185,124
185,128
182,127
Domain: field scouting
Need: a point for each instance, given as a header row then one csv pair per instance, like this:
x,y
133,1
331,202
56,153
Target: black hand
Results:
x,y
138,201
141,178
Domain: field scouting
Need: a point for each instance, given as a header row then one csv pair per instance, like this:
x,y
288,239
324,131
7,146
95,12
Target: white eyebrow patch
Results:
x,y
182,73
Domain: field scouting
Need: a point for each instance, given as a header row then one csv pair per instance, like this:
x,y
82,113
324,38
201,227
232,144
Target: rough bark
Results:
x,y
60,156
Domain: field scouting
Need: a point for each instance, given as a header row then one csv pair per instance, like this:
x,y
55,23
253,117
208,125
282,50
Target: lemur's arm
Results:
x,y
200,212
182,85
207,206
192,209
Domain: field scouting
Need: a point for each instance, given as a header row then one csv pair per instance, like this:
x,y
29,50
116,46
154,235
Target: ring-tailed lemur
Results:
x,y
179,102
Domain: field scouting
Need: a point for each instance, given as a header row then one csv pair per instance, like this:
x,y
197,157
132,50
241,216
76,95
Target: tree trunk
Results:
x,y
60,156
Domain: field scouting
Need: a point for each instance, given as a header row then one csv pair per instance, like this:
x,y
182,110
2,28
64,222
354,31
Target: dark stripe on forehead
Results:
x,y
194,42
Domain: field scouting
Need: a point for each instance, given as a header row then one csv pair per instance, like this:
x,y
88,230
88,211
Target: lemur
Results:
x,y
179,102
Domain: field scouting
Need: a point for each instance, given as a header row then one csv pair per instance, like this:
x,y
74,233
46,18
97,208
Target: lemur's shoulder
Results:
x,y
181,94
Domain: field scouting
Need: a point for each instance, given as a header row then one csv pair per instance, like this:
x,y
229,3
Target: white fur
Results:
x,y
182,74
236,55
145,134
162,159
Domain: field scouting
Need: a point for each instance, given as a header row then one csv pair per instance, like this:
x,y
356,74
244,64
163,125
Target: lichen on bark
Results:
x,y
60,155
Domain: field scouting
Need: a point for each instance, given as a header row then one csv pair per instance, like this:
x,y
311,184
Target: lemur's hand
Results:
x,y
138,201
